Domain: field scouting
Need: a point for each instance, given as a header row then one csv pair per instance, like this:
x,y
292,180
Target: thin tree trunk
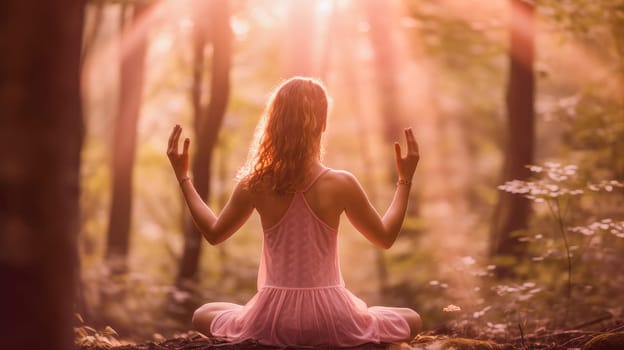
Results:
x,y
617,30
90,38
222,198
41,131
512,211
344,31
378,14
189,265
384,47
208,119
132,74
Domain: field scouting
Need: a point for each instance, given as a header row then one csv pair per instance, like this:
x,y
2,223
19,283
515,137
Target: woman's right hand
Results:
x,y
406,166
179,161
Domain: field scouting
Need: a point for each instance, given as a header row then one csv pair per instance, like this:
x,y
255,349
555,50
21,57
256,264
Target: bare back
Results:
x,y
325,196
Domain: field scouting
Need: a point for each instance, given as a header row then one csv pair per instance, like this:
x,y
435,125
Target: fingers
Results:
x,y
397,150
177,139
171,139
172,148
412,145
185,150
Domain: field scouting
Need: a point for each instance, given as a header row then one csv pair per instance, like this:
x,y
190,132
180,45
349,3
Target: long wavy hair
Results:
x,y
287,137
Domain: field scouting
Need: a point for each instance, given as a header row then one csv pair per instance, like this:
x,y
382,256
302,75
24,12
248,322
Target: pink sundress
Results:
x,y
301,298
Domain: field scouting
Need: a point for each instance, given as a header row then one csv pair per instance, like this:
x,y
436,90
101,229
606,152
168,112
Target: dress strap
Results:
x,y
321,173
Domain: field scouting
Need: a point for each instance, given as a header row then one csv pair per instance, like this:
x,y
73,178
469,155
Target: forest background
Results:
x,y
516,221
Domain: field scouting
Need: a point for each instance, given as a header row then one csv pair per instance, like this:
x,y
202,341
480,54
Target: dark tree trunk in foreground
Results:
x,y
212,24
41,132
512,211
132,74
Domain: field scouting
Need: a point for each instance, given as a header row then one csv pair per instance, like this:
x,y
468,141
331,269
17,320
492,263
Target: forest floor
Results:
x,y
443,338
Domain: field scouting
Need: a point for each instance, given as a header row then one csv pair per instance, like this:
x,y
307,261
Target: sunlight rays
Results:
x,y
122,43
493,17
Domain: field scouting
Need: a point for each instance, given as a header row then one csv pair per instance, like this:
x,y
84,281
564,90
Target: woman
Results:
x,y
301,299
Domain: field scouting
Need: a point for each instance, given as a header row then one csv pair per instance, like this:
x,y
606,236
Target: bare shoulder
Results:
x,y
242,192
242,188
341,181
342,189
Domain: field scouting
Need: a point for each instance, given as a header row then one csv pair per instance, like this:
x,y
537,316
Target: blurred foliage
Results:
x,y
558,188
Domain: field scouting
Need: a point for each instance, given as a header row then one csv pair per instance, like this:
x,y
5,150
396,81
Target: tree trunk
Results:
x,y
512,211
384,47
92,34
617,30
344,29
208,119
132,73
41,131
379,16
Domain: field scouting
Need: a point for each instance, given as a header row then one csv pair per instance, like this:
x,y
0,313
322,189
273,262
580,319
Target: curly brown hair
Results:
x,y
288,136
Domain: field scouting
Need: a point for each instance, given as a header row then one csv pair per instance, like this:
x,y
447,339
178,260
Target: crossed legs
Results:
x,y
205,314
202,317
413,320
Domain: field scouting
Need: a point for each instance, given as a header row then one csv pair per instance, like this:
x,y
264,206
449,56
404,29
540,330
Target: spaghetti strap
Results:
x,y
318,176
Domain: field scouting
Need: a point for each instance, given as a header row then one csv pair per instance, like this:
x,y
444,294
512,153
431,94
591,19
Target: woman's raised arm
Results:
x,y
383,231
215,229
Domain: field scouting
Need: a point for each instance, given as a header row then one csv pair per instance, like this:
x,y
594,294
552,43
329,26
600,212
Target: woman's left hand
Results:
x,y
406,166
179,161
